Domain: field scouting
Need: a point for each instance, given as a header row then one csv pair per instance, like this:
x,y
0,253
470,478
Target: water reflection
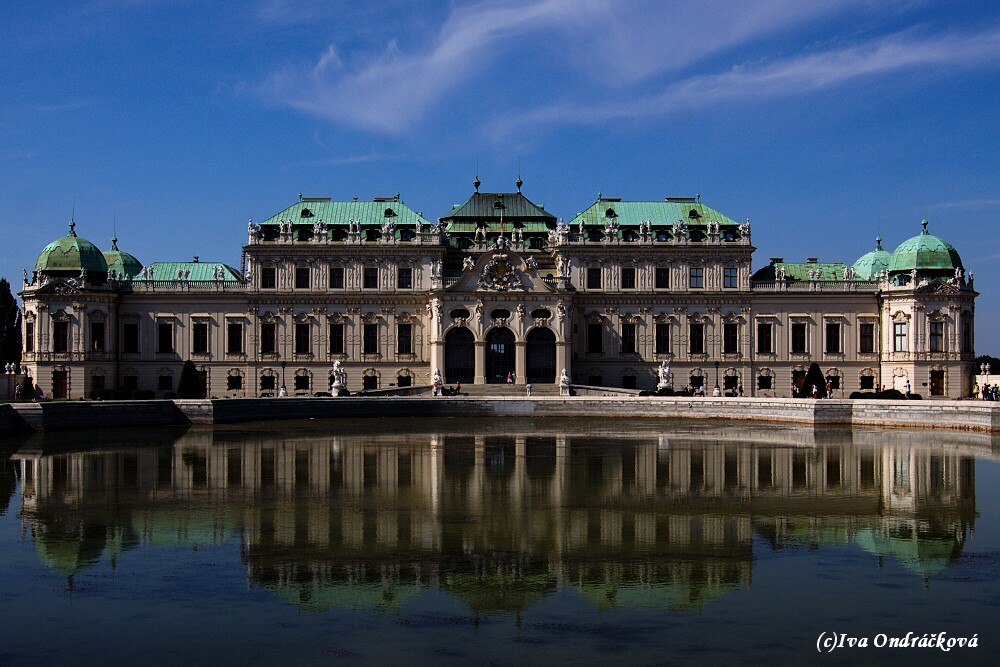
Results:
x,y
500,521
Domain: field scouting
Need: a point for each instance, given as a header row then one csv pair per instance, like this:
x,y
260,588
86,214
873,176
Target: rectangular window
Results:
x,y
369,382
594,278
628,338
301,277
199,338
336,338
730,278
97,383
662,277
60,337
268,382
899,342
234,383
798,337
765,338
833,338
336,277
268,277
97,336
730,338
937,336
866,337
628,382
966,337
165,383
404,278
662,338
404,338
301,383
164,337
370,339
595,338
696,339
764,382
302,342
370,277
267,338
130,382
628,277
29,336
234,337
696,278
867,381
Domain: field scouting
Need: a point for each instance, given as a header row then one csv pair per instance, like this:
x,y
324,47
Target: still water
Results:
x,y
496,542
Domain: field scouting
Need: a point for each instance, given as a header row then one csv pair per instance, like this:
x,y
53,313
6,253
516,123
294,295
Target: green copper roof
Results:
x,y
489,206
71,254
121,263
925,252
873,262
800,271
658,212
190,271
310,210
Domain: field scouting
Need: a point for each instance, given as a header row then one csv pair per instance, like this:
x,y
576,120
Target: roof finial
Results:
x,y
697,197
878,242
300,196
924,224
72,227
519,182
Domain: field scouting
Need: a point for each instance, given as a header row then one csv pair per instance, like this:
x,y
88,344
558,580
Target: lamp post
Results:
x,y
283,364
716,374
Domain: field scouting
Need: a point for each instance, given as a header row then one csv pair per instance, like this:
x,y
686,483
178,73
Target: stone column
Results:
x,y
520,364
480,362
563,356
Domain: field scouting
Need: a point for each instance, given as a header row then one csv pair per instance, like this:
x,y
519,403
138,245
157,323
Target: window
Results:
x,y
164,337
730,277
268,277
730,338
199,338
404,338
234,383
97,336
595,338
765,338
370,339
798,337
765,382
696,339
268,382
369,382
404,381
404,278
628,382
97,383
370,277
130,338
867,381
628,277
29,336
866,337
696,279
662,338
662,277
301,383
833,338
336,338
302,343
834,381
937,336
301,277
165,382
60,337
234,337
594,278
267,338
899,343
130,382
628,338
966,337
336,277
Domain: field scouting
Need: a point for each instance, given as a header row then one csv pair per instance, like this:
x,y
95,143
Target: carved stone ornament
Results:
x,y
498,275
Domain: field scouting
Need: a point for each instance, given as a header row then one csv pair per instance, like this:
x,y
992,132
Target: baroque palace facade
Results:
x,y
498,287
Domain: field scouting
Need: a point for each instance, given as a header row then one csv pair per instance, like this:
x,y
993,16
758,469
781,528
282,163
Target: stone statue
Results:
x,y
564,383
339,376
664,373
561,310
436,269
531,263
468,263
25,276
520,310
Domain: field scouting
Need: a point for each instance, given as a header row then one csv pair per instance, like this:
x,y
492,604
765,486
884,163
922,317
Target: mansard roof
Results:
x,y
669,211
191,271
375,212
800,271
490,206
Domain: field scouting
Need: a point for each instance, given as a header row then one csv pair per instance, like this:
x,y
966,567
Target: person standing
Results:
x,y
528,388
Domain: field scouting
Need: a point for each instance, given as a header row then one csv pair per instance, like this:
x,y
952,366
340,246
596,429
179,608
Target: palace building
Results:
x,y
498,286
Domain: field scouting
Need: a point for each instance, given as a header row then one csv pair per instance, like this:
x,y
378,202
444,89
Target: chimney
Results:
x,y
196,259
777,260
812,260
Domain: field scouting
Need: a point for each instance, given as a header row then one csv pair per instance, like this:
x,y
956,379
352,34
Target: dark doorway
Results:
x,y
459,356
937,383
499,355
540,357
60,384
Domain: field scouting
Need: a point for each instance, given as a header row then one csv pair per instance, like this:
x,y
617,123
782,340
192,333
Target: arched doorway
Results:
x,y
540,357
499,355
459,356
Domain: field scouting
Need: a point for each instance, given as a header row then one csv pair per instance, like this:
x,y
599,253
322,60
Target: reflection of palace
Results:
x,y
498,286
498,521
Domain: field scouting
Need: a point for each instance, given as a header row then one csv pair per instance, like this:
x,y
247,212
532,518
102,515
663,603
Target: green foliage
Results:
x,y
814,377
888,394
187,385
986,359
10,326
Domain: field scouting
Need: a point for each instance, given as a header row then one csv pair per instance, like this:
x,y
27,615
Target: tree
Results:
x,y
10,326
188,385
986,359
814,377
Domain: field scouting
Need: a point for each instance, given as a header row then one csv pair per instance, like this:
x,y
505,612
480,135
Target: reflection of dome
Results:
x,y
70,255
681,585
926,253
350,588
873,262
502,590
925,556
69,547
121,263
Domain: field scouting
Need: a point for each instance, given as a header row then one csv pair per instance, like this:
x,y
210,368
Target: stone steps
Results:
x,y
509,390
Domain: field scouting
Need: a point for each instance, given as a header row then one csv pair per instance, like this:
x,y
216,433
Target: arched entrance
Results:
x,y
499,355
459,356
540,357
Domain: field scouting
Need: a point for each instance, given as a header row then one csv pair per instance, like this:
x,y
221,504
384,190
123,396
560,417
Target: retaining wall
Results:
x,y
66,415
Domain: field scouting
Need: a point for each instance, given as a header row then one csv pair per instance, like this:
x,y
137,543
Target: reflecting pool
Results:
x,y
513,541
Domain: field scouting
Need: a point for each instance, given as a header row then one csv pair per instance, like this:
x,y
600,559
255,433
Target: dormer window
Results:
x,y
306,213
693,213
389,213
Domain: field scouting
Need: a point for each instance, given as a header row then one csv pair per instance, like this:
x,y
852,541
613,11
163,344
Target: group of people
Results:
x,y
988,392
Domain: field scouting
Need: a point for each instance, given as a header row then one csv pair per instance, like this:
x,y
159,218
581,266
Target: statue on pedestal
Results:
x,y
664,373
564,383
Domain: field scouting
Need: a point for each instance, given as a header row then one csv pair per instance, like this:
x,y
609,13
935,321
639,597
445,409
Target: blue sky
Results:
x,y
825,123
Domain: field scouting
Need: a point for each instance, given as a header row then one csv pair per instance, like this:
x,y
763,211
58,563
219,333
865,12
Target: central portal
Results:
x,y
499,355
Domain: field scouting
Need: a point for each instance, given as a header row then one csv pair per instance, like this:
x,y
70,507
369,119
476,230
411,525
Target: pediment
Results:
x,y
502,271
940,288
58,287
